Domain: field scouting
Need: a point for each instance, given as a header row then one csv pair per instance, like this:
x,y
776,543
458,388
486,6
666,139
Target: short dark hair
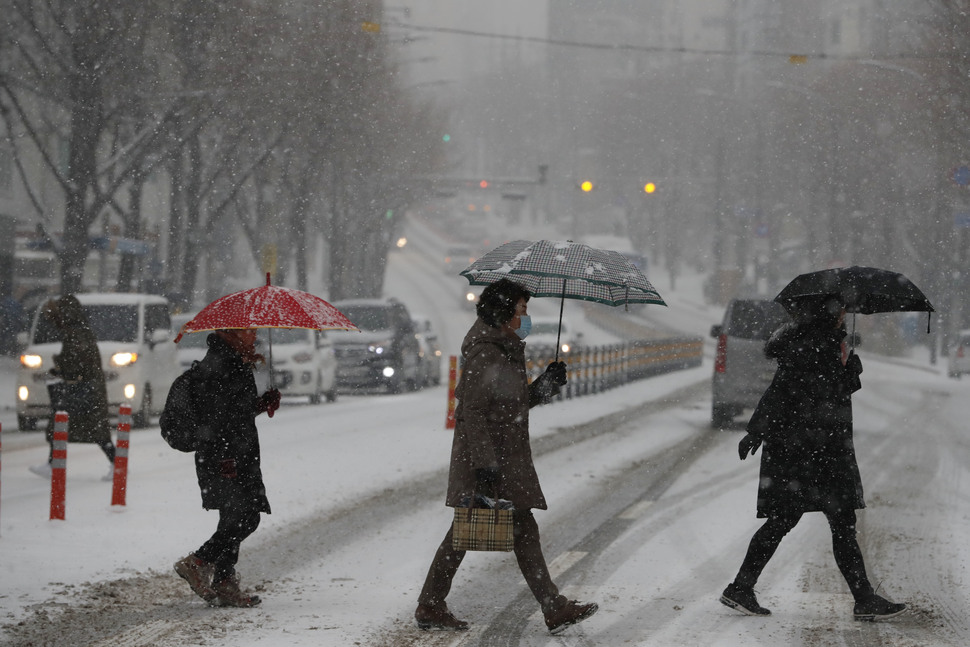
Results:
x,y
497,304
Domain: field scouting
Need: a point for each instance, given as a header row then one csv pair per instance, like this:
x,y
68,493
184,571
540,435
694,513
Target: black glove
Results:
x,y
556,372
748,446
486,481
268,402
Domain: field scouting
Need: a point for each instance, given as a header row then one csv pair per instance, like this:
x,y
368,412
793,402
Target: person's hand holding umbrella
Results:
x,y
269,402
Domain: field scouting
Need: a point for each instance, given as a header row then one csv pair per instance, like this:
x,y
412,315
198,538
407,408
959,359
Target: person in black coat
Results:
x,y
808,464
227,464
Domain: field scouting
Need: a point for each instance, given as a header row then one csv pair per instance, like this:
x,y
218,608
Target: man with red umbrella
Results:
x,y
227,463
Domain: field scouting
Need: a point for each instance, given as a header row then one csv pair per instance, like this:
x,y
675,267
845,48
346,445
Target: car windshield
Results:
x,y
756,319
368,317
108,322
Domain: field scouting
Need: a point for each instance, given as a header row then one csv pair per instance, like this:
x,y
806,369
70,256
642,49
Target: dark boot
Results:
x,y
569,614
876,607
198,574
438,618
228,594
743,599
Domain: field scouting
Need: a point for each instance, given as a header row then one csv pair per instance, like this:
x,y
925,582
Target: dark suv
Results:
x,y
741,370
384,353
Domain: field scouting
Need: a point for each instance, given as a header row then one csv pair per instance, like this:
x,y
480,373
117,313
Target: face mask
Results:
x,y
525,325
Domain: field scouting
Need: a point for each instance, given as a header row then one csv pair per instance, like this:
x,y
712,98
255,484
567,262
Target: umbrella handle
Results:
x,y
272,380
852,338
562,302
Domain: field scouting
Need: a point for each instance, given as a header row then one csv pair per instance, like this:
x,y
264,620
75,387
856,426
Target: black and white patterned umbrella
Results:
x,y
567,270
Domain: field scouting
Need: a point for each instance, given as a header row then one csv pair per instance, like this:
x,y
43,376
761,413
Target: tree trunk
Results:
x,y
195,234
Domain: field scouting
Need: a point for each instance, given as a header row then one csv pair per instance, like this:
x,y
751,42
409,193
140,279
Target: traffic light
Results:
x,y
649,187
483,184
446,138
586,186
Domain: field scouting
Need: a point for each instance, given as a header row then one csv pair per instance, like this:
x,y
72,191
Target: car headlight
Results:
x,y
124,359
31,361
379,348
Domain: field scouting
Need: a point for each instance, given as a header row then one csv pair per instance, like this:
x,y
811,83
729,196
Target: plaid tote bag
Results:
x,y
482,529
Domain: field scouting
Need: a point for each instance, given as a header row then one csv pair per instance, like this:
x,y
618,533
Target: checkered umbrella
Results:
x,y
566,270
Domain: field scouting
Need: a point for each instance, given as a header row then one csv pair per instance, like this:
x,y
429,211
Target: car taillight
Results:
x,y
720,357
960,351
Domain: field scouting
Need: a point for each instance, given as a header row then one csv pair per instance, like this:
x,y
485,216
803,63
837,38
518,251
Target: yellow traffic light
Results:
x,y
649,187
586,186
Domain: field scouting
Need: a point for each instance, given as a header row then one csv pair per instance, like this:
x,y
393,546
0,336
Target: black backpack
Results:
x,y
180,421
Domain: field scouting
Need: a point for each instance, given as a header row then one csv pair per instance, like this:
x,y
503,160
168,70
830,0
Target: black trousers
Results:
x,y
528,553
848,555
222,549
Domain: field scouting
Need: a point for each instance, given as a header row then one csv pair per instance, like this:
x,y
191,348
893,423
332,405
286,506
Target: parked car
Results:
x,y
960,355
384,353
192,347
741,370
430,350
139,359
545,332
304,362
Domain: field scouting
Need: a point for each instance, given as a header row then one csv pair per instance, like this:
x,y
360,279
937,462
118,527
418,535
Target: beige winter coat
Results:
x,y
492,419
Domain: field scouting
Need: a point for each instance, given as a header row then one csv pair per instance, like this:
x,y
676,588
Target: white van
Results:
x,y
137,354
304,363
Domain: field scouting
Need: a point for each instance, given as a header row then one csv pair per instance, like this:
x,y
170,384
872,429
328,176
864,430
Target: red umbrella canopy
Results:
x,y
268,306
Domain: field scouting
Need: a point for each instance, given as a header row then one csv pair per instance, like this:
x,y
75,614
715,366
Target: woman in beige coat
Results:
x,y
491,454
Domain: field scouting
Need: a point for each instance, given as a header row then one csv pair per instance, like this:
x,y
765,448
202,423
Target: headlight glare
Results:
x,y
31,360
124,359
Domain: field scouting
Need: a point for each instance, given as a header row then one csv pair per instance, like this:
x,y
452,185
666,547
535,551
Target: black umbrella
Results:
x,y
863,290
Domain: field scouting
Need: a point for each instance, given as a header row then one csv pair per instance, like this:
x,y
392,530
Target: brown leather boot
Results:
x,y
228,594
438,618
198,574
569,614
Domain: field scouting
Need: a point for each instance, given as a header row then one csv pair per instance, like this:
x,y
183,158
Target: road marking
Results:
x,y
636,510
564,562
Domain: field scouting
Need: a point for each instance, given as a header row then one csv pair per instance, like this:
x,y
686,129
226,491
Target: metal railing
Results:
x,y
593,369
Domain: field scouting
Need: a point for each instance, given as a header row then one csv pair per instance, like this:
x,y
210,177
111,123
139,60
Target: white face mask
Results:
x,y
525,325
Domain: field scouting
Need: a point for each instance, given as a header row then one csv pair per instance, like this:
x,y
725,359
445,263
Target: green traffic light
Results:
x,y
446,138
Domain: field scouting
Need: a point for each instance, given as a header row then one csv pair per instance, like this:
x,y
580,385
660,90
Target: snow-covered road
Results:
x,y
649,514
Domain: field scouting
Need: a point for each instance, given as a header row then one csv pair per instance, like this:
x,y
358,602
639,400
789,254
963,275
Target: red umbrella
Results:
x,y
268,306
